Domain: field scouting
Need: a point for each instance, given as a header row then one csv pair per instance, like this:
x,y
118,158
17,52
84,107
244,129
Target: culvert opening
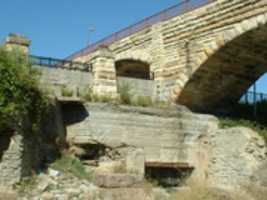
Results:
x,y
168,174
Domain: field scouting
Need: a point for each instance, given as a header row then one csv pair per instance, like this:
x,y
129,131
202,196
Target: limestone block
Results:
x,y
117,180
135,162
127,194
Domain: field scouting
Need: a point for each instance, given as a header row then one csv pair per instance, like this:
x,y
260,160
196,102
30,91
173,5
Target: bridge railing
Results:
x,y
253,98
179,9
59,63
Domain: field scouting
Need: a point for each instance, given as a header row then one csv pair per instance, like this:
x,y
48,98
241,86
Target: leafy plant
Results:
x,y
66,92
20,94
72,165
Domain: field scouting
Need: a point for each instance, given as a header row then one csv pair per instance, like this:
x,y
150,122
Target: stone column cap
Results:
x,y
14,38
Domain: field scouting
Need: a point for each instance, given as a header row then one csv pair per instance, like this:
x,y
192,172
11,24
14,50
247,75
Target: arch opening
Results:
x,y
133,69
223,78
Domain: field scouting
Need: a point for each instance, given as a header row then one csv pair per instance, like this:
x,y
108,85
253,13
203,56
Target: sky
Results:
x,y
58,28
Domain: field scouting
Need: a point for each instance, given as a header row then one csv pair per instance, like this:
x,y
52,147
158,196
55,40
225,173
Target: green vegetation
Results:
x,y
243,115
20,95
143,101
71,165
26,184
125,94
256,126
66,92
89,96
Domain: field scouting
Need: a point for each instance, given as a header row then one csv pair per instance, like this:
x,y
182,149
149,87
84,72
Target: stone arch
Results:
x,y
227,66
137,55
135,64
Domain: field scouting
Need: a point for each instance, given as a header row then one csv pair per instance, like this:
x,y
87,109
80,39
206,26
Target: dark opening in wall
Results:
x,y
167,174
5,138
92,151
73,112
133,69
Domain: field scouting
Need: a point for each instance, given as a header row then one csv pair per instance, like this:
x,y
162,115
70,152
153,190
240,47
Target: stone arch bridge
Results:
x,y
202,56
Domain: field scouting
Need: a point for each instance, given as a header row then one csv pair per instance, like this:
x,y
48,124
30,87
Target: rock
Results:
x,y
126,194
47,196
260,175
135,162
7,194
117,180
53,173
227,158
160,193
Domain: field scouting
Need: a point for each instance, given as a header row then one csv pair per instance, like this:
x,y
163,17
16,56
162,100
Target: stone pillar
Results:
x,y
11,161
17,42
104,73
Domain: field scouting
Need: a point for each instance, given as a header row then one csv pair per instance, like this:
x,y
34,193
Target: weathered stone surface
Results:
x,y
117,180
172,130
7,194
221,157
259,177
229,157
126,194
135,162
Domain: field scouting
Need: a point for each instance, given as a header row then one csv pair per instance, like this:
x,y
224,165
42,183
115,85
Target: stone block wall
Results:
x,y
56,78
11,160
177,48
138,87
118,126
173,137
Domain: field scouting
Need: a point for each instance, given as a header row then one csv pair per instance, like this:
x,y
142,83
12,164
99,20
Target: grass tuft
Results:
x,y
72,165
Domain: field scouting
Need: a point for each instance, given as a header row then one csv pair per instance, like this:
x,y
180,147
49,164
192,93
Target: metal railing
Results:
x,y
253,98
176,10
59,63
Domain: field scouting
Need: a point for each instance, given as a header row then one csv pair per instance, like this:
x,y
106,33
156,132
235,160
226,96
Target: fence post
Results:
x,y
254,100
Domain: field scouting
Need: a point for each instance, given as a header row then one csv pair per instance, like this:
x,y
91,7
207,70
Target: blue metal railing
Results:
x,y
179,9
59,63
253,98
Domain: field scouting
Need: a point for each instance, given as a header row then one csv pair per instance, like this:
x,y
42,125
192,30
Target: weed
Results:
x,y
66,92
144,101
125,93
232,122
72,165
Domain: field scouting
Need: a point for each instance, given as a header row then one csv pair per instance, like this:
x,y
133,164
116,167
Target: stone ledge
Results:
x,y
117,180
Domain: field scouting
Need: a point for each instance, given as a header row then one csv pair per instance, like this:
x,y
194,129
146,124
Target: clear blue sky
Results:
x,y
58,28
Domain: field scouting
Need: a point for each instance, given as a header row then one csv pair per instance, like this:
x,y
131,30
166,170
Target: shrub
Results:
x,y
20,94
